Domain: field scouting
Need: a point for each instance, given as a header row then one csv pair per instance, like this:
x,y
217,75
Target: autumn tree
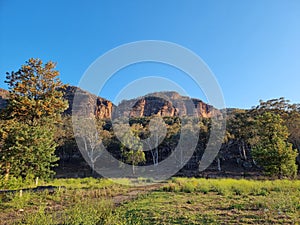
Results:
x,y
35,93
272,151
34,108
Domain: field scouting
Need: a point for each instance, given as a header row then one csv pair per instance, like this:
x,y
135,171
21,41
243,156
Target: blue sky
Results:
x,y
252,46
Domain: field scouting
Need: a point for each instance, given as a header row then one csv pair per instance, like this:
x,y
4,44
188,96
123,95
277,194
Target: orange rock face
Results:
x,y
160,104
165,104
87,104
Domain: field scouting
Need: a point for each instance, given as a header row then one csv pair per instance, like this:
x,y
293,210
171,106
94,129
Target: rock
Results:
x,y
159,103
4,94
165,104
87,104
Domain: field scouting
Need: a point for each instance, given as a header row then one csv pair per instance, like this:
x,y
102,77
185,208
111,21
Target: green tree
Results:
x,y
272,151
241,130
290,113
293,124
27,150
132,149
33,111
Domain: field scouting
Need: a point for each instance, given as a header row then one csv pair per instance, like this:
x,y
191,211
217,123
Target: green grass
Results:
x,y
89,201
86,199
219,201
73,183
198,208
232,186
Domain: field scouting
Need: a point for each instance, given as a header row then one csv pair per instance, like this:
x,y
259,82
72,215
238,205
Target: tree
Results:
x,y
27,150
33,110
132,149
272,151
134,157
35,93
240,129
293,124
155,134
290,113
64,137
90,135
189,135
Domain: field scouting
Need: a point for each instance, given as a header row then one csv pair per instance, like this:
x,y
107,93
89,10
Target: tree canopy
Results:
x,y
35,93
272,150
28,131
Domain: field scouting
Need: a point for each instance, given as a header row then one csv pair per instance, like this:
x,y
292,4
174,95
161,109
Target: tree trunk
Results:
x,y
6,176
133,169
242,150
219,164
156,156
93,168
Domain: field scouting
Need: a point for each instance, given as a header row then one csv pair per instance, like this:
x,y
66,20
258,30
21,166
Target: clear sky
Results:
x,y
252,46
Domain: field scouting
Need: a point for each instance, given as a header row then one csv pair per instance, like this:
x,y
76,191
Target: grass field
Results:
x,y
179,201
227,201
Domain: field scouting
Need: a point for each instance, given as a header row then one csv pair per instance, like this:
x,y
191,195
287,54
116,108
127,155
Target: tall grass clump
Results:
x,y
37,218
231,186
88,212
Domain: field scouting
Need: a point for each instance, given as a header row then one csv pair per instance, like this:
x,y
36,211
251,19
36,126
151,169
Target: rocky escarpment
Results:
x,y
146,106
87,103
165,104
159,103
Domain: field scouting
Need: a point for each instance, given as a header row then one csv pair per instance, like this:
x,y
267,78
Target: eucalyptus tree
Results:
x,y
273,151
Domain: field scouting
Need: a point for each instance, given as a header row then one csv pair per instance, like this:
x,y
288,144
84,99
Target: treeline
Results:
x,y
36,136
266,137
271,134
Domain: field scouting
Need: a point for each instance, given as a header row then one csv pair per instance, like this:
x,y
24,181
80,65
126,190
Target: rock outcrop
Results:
x,y
165,104
159,103
146,106
87,104
4,94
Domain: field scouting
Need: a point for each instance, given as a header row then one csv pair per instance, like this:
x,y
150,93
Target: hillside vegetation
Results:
x,y
37,132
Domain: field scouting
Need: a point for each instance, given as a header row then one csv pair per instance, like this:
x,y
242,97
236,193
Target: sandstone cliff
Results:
x,y
87,103
159,103
4,94
165,104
